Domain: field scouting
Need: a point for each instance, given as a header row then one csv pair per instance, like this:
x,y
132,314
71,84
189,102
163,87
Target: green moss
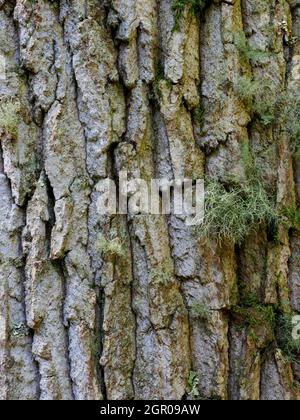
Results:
x,y
259,96
193,391
159,73
263,321
251,167
290,217
232,213
246,88
263,100
254,314
234,210
111,248
259,319
288,345
199,311
162,275
193,383
199,116
248,53
10,117
194,7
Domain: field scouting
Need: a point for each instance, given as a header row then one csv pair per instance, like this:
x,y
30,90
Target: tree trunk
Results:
x,y
141,307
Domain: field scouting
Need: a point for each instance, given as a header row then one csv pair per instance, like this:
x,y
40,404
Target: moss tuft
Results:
x,y
231,214
112,248
259,97
255,314
250,54
199,116
194,7
289,346
290,217
159,79
193,383
199,311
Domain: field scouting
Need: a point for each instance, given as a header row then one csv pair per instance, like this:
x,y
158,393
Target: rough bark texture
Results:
x,y
98,86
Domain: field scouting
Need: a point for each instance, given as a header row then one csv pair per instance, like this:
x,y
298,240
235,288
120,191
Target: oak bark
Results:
x,y
96,87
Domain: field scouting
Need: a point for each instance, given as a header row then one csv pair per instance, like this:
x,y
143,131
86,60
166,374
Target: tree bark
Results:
x,y
94,87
